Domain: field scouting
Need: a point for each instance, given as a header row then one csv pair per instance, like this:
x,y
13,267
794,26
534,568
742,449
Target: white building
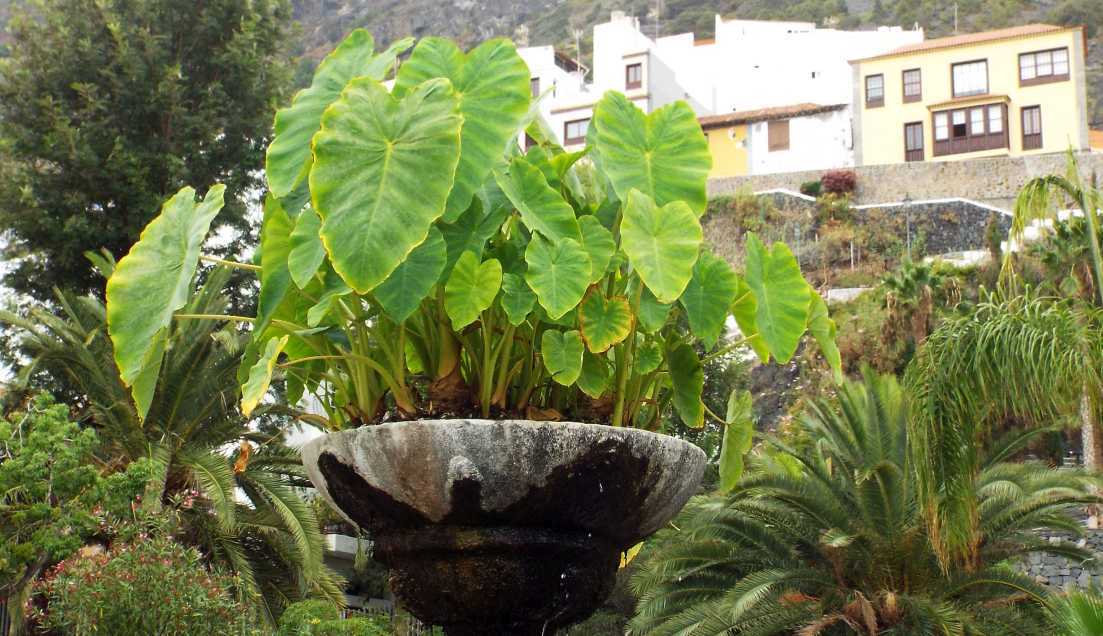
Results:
x,y
750,65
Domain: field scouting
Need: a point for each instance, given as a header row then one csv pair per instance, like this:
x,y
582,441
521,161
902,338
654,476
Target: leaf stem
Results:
x,y
234,264
229,317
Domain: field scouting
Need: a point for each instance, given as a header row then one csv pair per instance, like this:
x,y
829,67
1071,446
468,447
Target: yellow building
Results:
x,y
1015,91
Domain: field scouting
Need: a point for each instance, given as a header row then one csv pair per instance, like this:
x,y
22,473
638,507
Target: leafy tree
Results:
x,y
107,106
837,544
243,511
52,497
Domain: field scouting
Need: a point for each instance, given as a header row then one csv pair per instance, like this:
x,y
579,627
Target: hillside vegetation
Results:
x,y
324,22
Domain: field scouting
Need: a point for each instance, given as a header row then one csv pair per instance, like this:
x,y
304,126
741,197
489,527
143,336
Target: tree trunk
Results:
x,y
1089,434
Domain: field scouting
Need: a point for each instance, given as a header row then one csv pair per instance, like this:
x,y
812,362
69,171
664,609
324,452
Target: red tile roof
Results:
x,y
765,114
965,39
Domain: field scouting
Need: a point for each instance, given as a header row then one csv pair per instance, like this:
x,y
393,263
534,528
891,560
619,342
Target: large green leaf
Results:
x,y
594,378
517,299
822,328
598,243
648,357
260,375
542,209
603,322
661,243
412,281
562,353
492,82
471,288
781,296
738,436
688,379
307,251
558,272
333,289
382,171
709,296
288,161
275,247
664,155
744,309
152,282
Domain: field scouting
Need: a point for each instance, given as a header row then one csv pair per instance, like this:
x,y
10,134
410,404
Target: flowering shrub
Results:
x,y
838,181
151,585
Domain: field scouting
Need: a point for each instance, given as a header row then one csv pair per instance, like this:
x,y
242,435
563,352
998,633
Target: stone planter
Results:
x,y
503,527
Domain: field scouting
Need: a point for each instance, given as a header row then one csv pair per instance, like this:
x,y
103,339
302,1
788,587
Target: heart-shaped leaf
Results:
x,y
781,296
517,299
648,357
542,209
260,375
402,292
381,176
599,245
744,310
307,251
334,288
664,155
492,82
603,322
288,161
562,352
661,243
558,272
471,288
275,276
709,296
594,378
822,328
738,436
688,380
151,283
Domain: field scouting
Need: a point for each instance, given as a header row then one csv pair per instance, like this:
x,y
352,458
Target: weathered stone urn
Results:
x,y
503,527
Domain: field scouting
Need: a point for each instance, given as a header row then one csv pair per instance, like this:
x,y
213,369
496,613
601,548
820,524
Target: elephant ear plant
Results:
x,y
415,261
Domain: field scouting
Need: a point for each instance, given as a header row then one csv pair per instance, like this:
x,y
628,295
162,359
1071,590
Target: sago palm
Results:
x,y
839,546
248,514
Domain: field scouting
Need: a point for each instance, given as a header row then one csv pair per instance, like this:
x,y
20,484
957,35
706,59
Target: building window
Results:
x,y
969,129
913,85
913,141
1032,127
778,133
534,86
574,132
875,91
1042,67
970,78
633,76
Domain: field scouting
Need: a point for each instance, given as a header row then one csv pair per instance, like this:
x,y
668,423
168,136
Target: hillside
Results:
x,y
324,22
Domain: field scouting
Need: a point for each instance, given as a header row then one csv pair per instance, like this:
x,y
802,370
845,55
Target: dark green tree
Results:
x,y
108,106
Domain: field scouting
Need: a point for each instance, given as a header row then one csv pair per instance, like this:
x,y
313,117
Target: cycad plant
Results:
x,y
1078,613
836,542
234,487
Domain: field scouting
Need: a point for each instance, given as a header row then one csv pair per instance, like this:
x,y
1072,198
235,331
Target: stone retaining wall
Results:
x,y
993,180
1059,572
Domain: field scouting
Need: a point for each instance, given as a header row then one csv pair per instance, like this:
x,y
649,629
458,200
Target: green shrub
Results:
x,y
811,188
302,617
152,585
376,625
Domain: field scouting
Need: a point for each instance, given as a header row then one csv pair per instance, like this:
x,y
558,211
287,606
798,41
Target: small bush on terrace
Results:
x,y
839,181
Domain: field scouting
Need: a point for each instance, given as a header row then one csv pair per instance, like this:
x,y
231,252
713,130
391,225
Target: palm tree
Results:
x,y
840,546
248,514
1077,613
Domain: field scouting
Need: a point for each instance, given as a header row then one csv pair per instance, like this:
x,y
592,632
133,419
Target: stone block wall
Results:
x,y
1060,573
993,180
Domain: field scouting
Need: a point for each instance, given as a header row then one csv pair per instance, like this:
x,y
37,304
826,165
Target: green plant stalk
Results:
x,y
625,355
486,373
504,368
233,264
222,317
1087,200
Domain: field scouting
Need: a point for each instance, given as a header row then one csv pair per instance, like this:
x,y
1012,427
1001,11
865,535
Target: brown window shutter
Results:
x,y
778,133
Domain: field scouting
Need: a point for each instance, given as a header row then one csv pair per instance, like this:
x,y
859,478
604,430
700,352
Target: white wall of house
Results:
x,y
816,142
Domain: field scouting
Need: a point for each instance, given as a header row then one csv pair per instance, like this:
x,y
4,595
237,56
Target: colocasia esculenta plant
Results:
x,y
415,261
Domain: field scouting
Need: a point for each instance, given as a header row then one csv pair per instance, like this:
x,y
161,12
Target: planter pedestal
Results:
x,y
503,527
